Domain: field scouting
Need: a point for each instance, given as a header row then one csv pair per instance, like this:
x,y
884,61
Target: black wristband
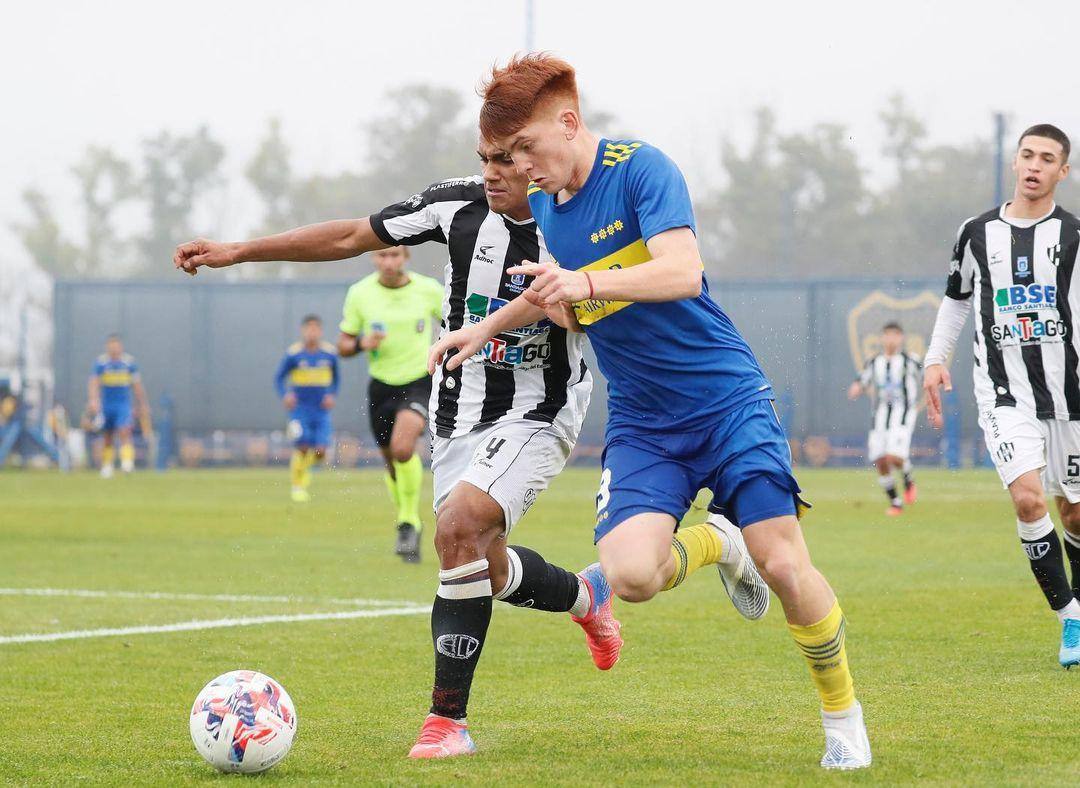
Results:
x,y
358,348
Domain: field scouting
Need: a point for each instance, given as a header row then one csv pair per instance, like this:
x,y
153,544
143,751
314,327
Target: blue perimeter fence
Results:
x,y
208,352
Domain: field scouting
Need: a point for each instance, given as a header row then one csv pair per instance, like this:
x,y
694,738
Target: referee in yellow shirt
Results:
x,y
390,315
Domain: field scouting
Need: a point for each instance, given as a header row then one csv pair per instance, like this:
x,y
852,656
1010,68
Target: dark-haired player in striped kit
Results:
x,y
892,379
1014,267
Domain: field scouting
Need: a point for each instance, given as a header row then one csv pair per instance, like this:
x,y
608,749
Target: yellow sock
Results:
x,y
297,466
410,477
127,454
391,487
693,548
108,454
822,644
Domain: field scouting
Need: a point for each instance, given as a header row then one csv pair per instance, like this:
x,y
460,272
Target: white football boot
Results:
x,y
846,743
738,573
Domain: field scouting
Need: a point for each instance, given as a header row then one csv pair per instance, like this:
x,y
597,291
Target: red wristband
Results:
x,y
589,280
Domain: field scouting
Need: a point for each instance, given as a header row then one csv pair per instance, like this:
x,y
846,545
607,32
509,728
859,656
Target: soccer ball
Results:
x,y
243,721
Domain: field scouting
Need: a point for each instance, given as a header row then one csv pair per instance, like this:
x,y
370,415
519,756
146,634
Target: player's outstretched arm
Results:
x,y
469,340
336,240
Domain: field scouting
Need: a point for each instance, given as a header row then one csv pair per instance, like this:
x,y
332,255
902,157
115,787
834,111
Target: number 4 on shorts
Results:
x,y
493,447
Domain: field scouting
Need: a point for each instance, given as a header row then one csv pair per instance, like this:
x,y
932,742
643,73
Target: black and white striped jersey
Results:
x,y
521,374
1020,273
894,383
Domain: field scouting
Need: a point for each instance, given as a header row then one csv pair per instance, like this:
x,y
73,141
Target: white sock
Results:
x,y
1071,610
1029,532
582,604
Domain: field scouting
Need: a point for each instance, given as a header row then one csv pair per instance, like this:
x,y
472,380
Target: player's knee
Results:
x,y
783,569
1030,504
633,581
320,454
461,530
1070,518
401,451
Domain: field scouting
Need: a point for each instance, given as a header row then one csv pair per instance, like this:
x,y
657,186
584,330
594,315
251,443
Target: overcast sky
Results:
x,y
679,73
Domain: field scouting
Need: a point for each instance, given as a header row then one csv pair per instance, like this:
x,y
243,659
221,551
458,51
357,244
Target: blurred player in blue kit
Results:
x,y
307,383
114,390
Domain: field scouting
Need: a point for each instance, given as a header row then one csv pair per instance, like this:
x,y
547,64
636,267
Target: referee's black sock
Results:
x,y
1043,549
459,624
533,582
1072,550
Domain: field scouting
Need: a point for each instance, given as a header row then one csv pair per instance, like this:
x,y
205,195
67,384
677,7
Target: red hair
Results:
x,y
513,93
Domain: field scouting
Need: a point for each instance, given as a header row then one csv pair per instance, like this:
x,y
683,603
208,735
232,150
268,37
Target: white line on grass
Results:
x,y
186,626
166,595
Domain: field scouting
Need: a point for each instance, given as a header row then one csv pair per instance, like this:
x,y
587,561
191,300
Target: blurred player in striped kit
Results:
x,y
891,379
114,388
307,383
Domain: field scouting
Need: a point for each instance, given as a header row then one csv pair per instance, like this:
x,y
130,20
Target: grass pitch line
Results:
x,y
170,596
220,623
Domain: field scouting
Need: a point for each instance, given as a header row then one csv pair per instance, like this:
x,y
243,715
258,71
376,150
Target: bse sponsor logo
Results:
x,y
1028,329
457,646
499,351
1036,550
1022,298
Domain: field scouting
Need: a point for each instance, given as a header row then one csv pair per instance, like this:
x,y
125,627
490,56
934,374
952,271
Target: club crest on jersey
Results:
x,y
516,283
1023,267
1023,298
1053,255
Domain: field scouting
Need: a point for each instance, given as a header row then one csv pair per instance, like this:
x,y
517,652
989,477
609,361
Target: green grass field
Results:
x,y
951,644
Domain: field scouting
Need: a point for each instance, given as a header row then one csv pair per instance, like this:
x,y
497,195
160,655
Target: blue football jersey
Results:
x,y
116,377
310,374
676,365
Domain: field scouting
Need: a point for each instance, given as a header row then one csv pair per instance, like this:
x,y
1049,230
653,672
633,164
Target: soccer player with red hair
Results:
x,y
689,406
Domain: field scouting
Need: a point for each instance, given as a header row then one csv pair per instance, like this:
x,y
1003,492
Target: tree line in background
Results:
x,y
790,205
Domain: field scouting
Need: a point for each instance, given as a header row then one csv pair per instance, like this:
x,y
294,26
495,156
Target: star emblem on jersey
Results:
x,y
607,231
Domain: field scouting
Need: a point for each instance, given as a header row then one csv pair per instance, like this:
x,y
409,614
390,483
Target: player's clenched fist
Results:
x,y
201,252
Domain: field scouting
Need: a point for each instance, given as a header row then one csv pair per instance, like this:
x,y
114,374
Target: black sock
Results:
x,y
533,582
1048,566
1072,550
888,484
459,623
